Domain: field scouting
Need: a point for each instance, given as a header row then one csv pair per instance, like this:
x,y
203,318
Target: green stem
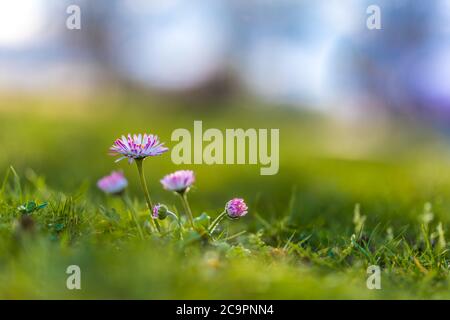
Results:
x,y
177,220
187,208
146,193
173,215
128,203
214,224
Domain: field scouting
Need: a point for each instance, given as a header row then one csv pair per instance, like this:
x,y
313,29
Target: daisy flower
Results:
x,y
179,181
137,147
114,184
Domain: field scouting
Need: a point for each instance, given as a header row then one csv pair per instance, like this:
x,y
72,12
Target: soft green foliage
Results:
x,y
311,230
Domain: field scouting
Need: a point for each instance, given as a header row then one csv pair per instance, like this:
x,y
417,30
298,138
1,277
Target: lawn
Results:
x,y
347,196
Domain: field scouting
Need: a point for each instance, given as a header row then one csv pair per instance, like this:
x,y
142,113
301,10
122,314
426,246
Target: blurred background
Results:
x,y
361,112
309,54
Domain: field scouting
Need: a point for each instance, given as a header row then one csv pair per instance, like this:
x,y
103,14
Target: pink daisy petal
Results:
x,y
137,146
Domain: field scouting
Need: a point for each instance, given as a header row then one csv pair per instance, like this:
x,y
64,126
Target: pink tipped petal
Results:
x,y
178,181
236,208
120,159
115,183
137,146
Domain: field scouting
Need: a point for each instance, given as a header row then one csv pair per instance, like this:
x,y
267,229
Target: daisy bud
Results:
x,y
113,184
160,211
236,208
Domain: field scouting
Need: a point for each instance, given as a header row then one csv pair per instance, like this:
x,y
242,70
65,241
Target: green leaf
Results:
x,y
202,220
31,207
42,206
191,236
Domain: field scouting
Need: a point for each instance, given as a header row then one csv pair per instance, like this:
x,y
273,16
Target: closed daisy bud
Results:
x,y
113,184
160,212
236,208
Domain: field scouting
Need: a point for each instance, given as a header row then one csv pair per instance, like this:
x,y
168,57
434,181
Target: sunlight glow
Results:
x,y
20,21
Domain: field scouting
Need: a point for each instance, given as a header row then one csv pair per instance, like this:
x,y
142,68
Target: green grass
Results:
x,y
304,237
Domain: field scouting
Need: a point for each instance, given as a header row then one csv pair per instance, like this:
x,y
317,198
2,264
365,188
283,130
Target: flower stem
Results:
x,y
128,203
187,208
214,224
180,227
146,193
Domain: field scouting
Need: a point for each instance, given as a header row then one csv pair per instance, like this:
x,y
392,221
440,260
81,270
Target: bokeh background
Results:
x,y
363,114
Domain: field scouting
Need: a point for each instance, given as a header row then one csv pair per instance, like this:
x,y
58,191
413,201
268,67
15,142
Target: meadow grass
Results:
x,y
344,199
